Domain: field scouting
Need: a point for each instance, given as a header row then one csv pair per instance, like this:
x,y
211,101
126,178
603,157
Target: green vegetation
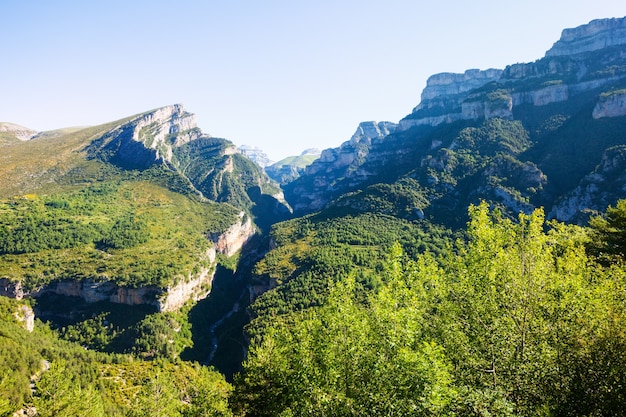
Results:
x,y
515,321
71,381
133,233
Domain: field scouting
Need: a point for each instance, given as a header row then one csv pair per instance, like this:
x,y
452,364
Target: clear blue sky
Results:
x,y
277,74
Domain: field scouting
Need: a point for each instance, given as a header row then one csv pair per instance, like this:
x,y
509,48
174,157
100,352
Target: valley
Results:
x,y
466,260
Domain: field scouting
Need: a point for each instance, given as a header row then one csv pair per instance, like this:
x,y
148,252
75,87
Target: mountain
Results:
x,y
256,155
11,131
417,273
525,136
109,202
290,168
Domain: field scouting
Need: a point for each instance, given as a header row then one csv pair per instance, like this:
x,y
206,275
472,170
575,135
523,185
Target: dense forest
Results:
x,y
514,317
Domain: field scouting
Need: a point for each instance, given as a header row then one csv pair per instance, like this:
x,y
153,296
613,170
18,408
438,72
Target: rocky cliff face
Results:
x,y
256,155
235,237
612,104
569,68
601,188
586,68
336,164
147,138
595,35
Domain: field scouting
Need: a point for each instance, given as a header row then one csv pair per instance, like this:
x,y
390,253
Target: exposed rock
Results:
x,y
11,289
599,189
368,131
256,155
20,132
233,239
147,138
597,34
450,84
444,95
611,105
26,317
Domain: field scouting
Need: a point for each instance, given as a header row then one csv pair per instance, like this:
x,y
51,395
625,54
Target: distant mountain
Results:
x,y
256,155
529,135
290,168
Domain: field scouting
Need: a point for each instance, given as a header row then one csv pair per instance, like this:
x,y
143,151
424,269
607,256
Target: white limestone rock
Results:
x,y
610,105
597,34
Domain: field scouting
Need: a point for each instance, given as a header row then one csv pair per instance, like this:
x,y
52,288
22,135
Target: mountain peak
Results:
x,y
597,34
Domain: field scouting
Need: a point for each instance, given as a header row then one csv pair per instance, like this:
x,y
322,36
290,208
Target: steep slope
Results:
x,y
520,137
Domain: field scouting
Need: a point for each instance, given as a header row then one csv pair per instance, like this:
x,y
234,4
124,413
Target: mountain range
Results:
x,y
149,211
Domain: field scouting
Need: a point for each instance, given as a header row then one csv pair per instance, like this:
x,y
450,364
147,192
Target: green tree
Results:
x,y
609,232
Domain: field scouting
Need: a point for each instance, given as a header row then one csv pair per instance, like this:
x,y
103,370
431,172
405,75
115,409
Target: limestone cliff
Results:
x,y
574,65
597,34
235,237
611,104
196,286
335,165
443,96
147,138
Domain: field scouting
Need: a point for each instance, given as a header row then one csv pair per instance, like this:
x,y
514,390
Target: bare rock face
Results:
x,y
597,34
233,239
599,189
147,138
256,155
368,131
450,84
26,317
610,105
20,132
337,164
443,98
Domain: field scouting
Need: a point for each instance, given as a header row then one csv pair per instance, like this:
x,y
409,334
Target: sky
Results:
x,y
280,75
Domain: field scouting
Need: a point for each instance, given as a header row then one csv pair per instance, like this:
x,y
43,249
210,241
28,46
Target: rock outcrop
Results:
x,y
597,34
26,317
256,155
235,237
336,164
147,138
611,104
597,190
366,132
